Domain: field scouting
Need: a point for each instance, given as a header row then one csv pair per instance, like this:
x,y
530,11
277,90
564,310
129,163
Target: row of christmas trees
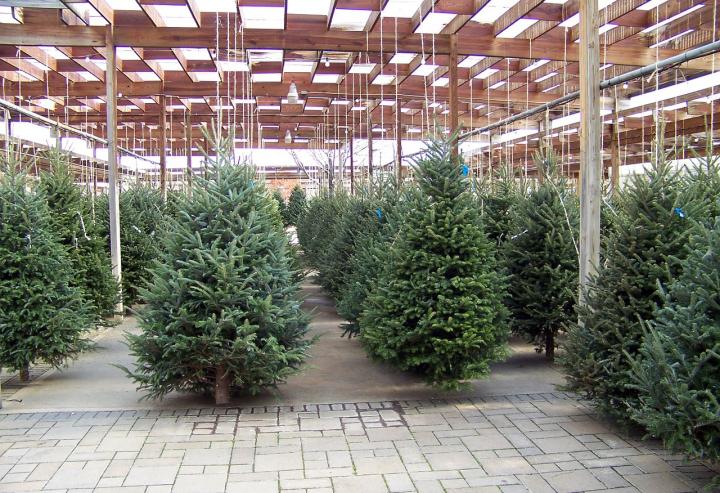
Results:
x,y
433,275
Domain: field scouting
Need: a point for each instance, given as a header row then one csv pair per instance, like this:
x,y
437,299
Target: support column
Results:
x,y
113,189
453,86
188,148
398,141
352,164
615,151
590,143
162,141
370,148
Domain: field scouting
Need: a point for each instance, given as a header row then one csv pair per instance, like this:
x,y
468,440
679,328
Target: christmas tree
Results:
x,y
297,203
223,312
497,198
677,370
73,222
143,218
318,227
384,206
437,308
281,206
652,224
42,315
541,260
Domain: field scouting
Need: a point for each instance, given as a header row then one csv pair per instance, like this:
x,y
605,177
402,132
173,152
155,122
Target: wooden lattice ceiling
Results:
x,y
349,63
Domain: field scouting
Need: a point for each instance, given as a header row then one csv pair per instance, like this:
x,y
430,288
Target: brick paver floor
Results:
x,y
540,443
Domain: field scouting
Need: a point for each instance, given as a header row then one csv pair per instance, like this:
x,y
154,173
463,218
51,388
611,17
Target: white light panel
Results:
x,y
350,20
493,10
401,8
303,7
263,17
516,28
434,22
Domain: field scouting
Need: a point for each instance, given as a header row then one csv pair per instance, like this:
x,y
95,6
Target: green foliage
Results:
x,y
72,219
677,370
318,226
143,218
384,208
652,224
297,205
42,315
222,309
437,307
497,198
540,258
282,209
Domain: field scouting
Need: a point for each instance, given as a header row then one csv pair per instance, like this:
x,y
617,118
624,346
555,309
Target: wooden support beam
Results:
x,y
112,161
398,141
590,144
453,86
188,148
162,143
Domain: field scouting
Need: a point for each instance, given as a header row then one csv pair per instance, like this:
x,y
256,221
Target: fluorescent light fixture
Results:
x,y
497,84
677,90
87,76
470,61
387,102
642,114
536,64
228,66
441,82
268,107
350,20
298,66
147,76
303,7
425,70
414,130
315,108
486,73
266,77
434,23
401,8
244,101
361,68
571,119
383,79
379,130
124,53
675,17
605,67
551,88
340,102
218,6
651,4
516,134
546,76
671,38
403,58
571,21
169,65
123,4
493,10
54,52
327,78
256,56
175,15
195,53
516,28
262,17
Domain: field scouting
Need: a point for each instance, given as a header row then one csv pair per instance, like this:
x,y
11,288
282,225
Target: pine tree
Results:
x,y
540,258
281,205
143,219
677,370
319,226
653,223
437,308
71,218
497,198
297,204
223,311
42,316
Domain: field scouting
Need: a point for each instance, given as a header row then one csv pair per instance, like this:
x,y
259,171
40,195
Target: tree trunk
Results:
x,y
25,374
222,386
549,345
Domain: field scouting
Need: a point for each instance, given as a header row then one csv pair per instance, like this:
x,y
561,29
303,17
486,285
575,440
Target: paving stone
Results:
x,y
78,475
151,475
661,482
320,424
278,462
573,481
559,445
508,465
392,434
324,444
399,483
487,440
649,463
253,487
207,483
451,461
360,484
207,457
378,465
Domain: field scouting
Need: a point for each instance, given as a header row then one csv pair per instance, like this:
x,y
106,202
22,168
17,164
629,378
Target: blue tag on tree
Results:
x,y
679,212
465,170
379,213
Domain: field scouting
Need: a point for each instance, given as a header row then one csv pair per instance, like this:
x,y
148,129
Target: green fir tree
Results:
x,y
72,218
43,317
497,198
652,224
297,204
677,370
281,205
437,308
223,312
541,260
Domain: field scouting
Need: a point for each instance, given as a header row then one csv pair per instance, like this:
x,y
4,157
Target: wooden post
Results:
x,y
206,144
370,148
352,165
590,143
113,189
188,148
162,138
453,86
398,141
615,151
